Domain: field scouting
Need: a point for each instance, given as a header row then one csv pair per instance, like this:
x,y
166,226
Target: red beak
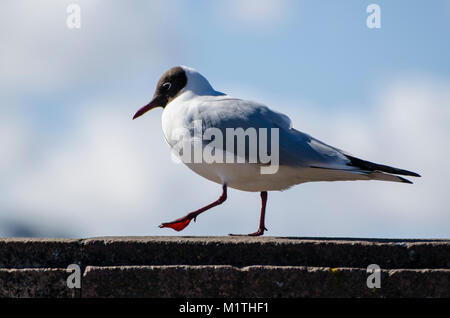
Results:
x,y
153,104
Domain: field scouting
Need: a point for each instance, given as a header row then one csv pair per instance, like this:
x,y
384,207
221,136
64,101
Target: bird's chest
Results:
x,y
177,120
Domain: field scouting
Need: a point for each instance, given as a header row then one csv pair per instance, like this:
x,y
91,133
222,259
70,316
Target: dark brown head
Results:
x,y
169,86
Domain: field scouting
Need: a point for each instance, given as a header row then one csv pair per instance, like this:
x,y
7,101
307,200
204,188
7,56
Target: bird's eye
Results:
x,y
166,86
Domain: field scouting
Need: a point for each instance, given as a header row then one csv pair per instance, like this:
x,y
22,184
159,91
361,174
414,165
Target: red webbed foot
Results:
x,y
177,225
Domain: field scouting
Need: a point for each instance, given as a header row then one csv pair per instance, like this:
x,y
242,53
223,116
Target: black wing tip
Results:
x,y
363,164
408,173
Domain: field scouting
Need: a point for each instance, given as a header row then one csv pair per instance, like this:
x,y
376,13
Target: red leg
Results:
x,y
181,223
262,227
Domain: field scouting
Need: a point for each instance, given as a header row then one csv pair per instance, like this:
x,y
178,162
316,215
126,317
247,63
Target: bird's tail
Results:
x,y
376,171
378,175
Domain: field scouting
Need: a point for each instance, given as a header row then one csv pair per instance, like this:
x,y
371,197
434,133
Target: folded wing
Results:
x,y
296,149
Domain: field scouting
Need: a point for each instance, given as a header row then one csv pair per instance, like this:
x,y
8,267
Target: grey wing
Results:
x,y
300,149
295,148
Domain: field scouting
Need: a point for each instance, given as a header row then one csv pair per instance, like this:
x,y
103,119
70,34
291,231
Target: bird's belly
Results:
x,y
247,177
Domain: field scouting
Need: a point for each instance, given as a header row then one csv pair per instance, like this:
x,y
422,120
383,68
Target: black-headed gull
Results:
x,y
193,112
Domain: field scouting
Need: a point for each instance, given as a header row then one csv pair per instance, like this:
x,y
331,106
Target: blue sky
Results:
x,y
320,44
74,164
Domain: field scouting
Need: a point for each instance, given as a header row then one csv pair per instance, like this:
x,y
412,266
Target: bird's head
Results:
x,y
175,81
169,87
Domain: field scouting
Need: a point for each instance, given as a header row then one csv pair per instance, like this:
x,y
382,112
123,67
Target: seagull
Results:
x,y
188,98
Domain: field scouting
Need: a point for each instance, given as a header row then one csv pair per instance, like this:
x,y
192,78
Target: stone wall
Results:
x,y
224,267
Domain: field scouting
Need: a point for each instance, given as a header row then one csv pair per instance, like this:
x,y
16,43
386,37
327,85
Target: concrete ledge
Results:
x,y
259,281
38,253
224,267
35,282
236,251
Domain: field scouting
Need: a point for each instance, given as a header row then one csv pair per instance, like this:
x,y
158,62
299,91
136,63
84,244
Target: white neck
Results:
x,y
198,84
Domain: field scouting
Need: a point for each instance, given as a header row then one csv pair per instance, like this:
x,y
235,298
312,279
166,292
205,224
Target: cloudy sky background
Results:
x,y
74,164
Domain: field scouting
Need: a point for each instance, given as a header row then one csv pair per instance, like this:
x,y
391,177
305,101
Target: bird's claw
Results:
x,y
257,233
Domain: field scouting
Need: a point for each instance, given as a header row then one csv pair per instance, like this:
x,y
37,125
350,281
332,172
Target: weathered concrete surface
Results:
x,y
38,252
35,282
236,251
224,267
259,281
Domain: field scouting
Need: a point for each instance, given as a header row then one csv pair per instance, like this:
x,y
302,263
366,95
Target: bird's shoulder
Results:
x,y
236,112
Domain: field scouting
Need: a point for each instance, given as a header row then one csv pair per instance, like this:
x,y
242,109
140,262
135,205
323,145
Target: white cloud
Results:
x,y
14,136
416,114
39,53
409,130
99,170
407,127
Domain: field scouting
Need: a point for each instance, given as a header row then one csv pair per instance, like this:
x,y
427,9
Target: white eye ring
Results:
x,y
167,85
